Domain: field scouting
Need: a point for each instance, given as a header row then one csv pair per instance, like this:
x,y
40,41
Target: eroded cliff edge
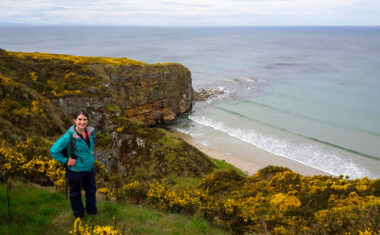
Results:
x,y
153,94
39,92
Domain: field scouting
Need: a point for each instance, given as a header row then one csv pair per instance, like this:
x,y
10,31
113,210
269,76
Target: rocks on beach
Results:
x,y
203,94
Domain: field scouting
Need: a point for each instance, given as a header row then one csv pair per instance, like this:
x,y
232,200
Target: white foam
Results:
x,y
187,132
307,154
226,94
203,143
181,130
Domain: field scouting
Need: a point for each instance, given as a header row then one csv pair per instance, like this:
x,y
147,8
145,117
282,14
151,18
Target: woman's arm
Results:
x,y
57,148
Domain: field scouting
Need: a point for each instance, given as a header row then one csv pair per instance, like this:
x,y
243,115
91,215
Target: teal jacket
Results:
x,y
85,154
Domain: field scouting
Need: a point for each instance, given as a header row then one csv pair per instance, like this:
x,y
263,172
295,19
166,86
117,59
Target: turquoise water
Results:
x,y
330,125
309,94
302,124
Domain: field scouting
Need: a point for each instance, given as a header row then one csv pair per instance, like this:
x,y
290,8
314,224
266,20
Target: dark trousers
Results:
x,y
77,180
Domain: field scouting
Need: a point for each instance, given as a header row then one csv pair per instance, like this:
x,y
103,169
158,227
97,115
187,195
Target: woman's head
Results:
x,y
80,119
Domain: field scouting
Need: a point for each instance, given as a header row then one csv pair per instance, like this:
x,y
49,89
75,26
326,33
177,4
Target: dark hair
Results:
x,y
79,112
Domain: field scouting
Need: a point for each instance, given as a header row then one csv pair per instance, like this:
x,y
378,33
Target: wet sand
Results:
x,y
251,164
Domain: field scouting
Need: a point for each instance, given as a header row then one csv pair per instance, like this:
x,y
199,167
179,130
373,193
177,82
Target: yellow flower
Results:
x,y
284,202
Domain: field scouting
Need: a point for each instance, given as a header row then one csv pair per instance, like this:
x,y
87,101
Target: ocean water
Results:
x,y
310,94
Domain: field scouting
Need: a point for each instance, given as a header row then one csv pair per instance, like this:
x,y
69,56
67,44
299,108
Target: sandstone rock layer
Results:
x,y
153,94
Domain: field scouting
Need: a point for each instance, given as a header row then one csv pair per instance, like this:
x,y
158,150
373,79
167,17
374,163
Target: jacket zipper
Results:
x,y
89,148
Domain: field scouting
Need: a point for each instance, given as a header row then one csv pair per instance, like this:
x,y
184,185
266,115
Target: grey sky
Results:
x,y
191,12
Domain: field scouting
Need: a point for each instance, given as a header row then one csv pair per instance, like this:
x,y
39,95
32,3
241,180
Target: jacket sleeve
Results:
x,y
58,146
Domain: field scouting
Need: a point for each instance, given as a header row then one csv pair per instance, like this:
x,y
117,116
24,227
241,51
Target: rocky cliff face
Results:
x,y
39,93
153,94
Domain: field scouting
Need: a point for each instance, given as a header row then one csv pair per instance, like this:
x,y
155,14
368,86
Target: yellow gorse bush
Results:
x,y
77,59
21,107
18,161
275,200
58,75
109,193
229,205
33,76
131,186
167,198
11,106
97,230
281,202
369,231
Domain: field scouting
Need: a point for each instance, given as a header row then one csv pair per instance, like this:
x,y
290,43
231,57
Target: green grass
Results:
x,y
139,219
222,165
181,182
37,210
113,108
32,209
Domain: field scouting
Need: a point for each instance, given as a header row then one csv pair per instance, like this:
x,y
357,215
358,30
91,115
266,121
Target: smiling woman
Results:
x,y
79,141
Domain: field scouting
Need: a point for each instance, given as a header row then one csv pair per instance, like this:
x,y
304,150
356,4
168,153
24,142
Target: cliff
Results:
x,y
39,92
152,94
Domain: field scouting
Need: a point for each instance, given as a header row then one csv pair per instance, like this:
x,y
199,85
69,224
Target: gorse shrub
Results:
x,y
23,112
26,160
221,181
20,161
274,200
80,229
75,59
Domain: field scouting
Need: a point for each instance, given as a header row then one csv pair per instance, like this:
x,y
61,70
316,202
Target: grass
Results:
x,y
222,165
32,209
39,210
181,182
186,182
113,108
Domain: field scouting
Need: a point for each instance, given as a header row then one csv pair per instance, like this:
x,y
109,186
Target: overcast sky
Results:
x,y
191,12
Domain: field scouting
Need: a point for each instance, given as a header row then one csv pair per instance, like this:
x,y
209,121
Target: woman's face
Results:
x,y
81,122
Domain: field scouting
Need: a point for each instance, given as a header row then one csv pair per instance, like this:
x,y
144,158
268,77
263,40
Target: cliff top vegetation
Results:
x,y
76,59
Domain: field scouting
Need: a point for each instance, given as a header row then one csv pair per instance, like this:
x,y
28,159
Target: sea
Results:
x,y
307,94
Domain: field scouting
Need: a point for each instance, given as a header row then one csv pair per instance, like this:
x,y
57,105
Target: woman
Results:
x,y
80,172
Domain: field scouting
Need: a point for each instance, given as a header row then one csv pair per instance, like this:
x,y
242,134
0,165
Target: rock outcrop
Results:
x,y
39,93
203,95
153,94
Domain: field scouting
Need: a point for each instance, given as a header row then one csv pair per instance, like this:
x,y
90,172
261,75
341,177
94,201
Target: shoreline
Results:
x,y
251,164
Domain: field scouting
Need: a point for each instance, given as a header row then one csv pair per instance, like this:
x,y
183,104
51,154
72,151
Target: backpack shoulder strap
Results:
x,y
73,144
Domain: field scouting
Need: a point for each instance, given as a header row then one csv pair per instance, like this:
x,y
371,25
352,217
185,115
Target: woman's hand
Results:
x,y
71,162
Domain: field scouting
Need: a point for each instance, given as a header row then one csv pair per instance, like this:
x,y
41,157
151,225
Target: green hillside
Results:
x,y
41,210
147,166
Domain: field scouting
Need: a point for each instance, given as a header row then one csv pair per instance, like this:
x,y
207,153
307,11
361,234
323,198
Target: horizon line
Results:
x,y
182,26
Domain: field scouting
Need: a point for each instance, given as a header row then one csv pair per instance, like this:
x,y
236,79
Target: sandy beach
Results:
x,y
251,164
